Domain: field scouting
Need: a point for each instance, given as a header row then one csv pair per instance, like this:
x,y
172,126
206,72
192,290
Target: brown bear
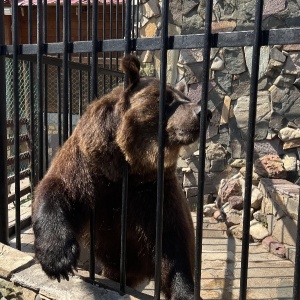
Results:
x,y
86,174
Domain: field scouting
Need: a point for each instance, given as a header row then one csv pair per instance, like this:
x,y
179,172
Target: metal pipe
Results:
x,y
95,95
296,289
66,38
161,148
250,147
39,72
126,31
15,40
3,139
45,127
202,140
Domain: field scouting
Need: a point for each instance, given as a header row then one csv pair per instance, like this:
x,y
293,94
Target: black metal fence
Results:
x,y
73,63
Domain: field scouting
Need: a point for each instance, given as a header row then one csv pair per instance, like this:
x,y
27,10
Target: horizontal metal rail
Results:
x,y
23,192
222,39
23,174
22,138
22,156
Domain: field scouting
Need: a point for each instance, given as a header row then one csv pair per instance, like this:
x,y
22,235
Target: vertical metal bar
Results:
x,y
88,38
161,151
127,35
3,139
66,11
45,127
137,18
103,54
70,79
296,288
32,102
39,72
95,95
15,39
80,56
202,140
117,33
250,147
58,82
111,37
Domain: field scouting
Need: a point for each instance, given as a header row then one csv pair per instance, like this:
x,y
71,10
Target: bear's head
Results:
x,y
137,133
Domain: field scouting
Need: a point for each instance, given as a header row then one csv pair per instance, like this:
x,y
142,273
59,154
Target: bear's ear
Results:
x,y
130,65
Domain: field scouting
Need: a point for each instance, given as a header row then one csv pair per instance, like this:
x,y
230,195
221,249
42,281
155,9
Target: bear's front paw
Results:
x,y
58,258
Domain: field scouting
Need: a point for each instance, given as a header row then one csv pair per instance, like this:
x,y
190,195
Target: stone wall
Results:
x,y
278,101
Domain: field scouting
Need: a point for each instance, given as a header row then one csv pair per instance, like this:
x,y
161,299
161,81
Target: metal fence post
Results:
x,y
3,137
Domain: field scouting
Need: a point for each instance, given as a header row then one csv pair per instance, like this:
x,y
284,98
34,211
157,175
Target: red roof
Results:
x,y
53,2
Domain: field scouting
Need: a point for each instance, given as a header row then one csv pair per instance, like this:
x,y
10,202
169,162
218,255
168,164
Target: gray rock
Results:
x,y
188,56
151,9
224,81
297,83
285,231
290,162
278,94
236,202
263,59
238,163
274,7
237,149
234,60
277,121
217,64
241,109
209,209
284,80
240,86
261,130
276,54
222,138
175,12
215,151
287,134
256,198
189,5
258,231
233,217
192,23
236,231
193,72
293,111
260,217
292,65
217,165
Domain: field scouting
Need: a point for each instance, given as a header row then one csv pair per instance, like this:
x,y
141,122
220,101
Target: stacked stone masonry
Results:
x,y
278,101
277,132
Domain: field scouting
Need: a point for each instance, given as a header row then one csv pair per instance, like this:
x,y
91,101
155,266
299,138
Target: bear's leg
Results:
x,y
56,247
177,279
177,267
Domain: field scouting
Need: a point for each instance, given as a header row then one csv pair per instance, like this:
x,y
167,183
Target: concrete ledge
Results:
x,y
12,261
26,279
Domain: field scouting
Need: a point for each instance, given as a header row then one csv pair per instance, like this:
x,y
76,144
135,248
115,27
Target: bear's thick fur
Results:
x,y
86,174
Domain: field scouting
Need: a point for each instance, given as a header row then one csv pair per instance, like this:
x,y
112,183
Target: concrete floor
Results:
x,y
269,277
